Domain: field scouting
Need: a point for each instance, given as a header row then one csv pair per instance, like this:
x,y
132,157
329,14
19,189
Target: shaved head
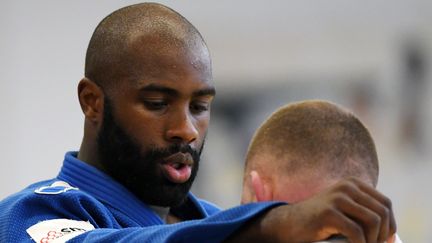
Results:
x,y
146,99
312,143
131,33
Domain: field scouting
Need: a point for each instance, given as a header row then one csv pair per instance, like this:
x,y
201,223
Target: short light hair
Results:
x,y
315,136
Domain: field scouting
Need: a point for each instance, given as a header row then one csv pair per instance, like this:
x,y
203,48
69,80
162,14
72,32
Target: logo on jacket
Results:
x,y
55,188
58,230
53,235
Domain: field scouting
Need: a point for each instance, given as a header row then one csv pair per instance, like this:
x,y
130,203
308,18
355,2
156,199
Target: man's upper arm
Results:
x,y
215,228
76,214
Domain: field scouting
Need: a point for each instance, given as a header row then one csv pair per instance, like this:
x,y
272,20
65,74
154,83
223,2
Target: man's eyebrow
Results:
x,y
172,92
211,91
159,88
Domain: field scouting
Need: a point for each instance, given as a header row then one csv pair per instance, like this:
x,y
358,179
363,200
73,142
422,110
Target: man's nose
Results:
x,y
182,128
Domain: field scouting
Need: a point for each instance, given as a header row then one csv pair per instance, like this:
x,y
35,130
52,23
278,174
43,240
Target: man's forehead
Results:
x,y
170,50
177,88
171,72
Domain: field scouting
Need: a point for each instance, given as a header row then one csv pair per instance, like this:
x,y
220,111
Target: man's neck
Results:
x,y
162,212
88,154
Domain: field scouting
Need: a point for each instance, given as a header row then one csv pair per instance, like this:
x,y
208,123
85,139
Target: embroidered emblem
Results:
x,y
55,188
58,230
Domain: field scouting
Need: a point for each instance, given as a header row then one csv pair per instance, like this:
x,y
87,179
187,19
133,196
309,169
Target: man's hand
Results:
x,y
350,208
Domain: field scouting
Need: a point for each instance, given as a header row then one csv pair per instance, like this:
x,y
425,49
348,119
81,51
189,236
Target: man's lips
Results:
x,y
177,168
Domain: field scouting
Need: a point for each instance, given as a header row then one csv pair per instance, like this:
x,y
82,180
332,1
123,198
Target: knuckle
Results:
x,y
388,202
345,187
357,230
374,220
383,212
338,198
386,212
330,213
353,181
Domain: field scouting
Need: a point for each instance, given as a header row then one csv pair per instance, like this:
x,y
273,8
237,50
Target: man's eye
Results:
x,y
198,108
155,105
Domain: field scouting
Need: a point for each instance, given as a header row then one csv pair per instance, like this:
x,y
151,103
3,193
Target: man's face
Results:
x,y
154,128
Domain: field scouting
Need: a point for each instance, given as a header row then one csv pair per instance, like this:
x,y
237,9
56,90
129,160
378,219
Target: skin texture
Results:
x,y
141,172
151,67
164,104
157,111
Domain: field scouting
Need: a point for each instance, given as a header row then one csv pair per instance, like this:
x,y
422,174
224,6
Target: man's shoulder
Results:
x,y
46,201
25,193
44,190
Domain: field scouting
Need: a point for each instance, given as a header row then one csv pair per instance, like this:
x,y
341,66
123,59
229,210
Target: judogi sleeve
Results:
x,y
77,217
215,228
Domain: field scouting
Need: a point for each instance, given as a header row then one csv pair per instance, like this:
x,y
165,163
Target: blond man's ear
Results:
x,y
261,189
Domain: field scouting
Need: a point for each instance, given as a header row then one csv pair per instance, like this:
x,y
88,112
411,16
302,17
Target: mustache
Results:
x,y
159,153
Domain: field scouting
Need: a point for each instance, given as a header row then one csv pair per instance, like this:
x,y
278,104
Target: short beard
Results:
x,y
123,159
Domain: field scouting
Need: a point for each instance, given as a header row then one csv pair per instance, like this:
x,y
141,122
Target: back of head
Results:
x,y
113,49
313,139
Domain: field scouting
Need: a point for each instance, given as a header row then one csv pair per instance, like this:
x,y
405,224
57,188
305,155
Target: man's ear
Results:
x,y
261,189
91,98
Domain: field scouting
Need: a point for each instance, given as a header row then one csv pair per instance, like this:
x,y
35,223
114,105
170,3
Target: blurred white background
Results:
x,y
373,57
